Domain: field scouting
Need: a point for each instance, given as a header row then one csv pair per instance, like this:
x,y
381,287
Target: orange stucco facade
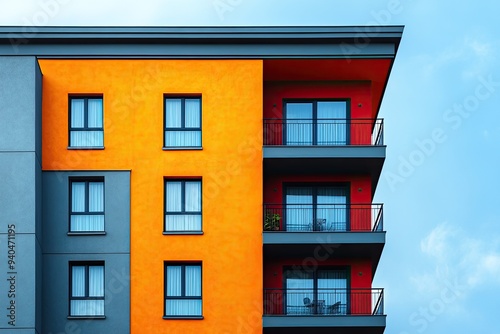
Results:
x,y
229,164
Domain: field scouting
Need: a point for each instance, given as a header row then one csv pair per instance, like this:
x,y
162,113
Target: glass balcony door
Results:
x,y
316,208
323,291
316,123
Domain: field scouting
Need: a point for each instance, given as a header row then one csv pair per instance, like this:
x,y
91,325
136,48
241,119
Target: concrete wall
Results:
x,y
59,249
20,195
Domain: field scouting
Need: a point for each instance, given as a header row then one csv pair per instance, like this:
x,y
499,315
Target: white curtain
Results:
x,y
189,136
299,209
78,283
77,113
173,110
78,196
95,113
332,288
331,123
299,126
183,307
193,114
96,281
174,204
174,196
332,207
82,222
193,196
87,307
300,288
86,138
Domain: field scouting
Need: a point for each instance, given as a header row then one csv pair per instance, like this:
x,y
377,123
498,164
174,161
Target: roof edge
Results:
x,y
322,41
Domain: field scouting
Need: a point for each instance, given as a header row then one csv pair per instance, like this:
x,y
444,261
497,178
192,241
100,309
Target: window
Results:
x,y
183,290
320,291
316,123
86,205
182,122
86,122
86,289
310,208
182,205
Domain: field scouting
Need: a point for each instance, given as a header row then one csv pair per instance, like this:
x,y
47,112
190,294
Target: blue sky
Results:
x,y
441,264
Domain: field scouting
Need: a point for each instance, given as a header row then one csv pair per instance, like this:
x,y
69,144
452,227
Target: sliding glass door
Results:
x,y
316,208
316,123
322,291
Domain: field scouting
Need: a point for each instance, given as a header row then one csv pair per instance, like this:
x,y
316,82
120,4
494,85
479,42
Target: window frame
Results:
x,y
183,265
183,205
85,128
85,264
183,99
314,118
87,180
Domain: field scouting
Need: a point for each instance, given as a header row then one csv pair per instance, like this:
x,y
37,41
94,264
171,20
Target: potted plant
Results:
x,y
272,221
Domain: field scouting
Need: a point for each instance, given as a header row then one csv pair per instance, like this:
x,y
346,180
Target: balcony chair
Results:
x,y
307,303
315,307
335,308
320,224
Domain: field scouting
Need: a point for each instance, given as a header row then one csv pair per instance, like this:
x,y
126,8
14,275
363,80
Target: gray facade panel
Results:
x,y
18,191
19,331
18,103
56,295
20,194
17,291
56,214
38,286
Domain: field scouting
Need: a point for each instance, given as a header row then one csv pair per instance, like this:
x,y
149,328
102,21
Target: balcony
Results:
x,y
324,146
322,310
340,230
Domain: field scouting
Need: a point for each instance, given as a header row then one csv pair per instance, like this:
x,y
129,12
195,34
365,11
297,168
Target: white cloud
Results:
x,y
474,54
436,243
454,254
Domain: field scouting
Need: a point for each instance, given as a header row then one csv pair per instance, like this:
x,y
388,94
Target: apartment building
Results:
x,y
192,180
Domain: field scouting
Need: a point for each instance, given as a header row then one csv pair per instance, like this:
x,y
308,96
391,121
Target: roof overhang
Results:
x,y
203,42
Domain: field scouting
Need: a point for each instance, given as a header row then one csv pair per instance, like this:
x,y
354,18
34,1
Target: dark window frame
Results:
x,y
87,180
85,264
183,128
314,118
183,205
183,265
85,128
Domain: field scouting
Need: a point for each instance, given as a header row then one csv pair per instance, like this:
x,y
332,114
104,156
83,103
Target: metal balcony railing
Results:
x,y
323,217
323,132
323,302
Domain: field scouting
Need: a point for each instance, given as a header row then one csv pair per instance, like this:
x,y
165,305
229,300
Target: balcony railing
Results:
x,y
323,302
323,132
323,217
